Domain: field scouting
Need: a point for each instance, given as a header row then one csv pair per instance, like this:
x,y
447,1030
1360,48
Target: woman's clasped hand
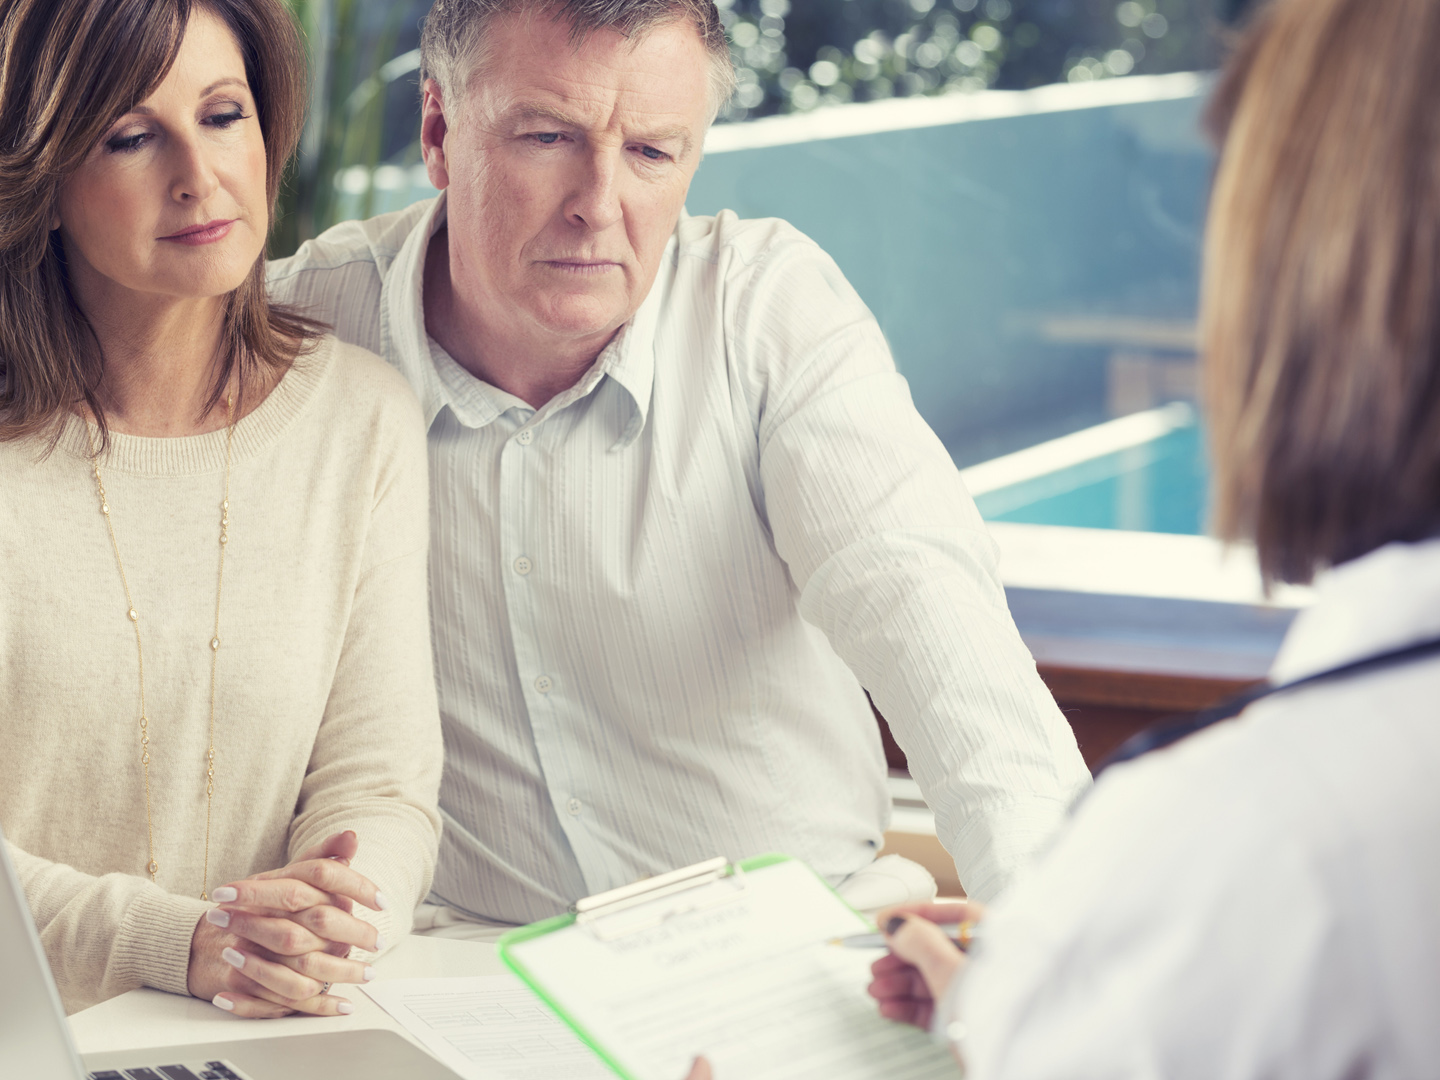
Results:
x,y
279,940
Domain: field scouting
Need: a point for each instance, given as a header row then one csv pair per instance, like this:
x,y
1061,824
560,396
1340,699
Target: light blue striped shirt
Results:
x,y
655,599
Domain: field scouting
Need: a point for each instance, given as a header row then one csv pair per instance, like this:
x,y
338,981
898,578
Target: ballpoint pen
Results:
x,y
962,935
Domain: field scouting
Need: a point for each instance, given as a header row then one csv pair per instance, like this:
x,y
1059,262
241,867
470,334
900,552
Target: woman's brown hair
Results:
x,y
68,69
1321,309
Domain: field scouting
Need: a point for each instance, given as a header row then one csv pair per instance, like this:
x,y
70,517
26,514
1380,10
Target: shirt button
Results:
x,y
544,684
574,807
523,566
526,437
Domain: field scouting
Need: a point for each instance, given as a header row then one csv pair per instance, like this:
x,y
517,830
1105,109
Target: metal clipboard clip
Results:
x,y
630,909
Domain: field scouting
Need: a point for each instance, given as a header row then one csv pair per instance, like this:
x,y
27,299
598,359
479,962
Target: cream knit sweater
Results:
x,y
326,716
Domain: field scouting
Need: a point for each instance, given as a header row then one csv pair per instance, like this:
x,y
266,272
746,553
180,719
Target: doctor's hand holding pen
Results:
x,y
927,943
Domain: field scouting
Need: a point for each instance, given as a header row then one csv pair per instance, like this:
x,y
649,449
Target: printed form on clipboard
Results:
x,y
730,962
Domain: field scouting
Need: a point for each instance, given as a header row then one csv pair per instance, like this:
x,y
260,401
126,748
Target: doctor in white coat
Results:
x,y
1261,899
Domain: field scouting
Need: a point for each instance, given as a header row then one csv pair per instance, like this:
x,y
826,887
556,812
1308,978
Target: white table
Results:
x,y
145,1018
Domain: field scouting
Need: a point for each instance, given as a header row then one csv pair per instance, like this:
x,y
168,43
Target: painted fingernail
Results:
x,y
381,904
223,1003
379,943
226,894
893,924
344,1007
216,917
233,958
369,974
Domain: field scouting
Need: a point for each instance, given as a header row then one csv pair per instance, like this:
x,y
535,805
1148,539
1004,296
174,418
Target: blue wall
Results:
x,y
966,238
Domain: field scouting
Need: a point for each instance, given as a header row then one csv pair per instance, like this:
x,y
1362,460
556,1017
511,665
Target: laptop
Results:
x,y
35,1042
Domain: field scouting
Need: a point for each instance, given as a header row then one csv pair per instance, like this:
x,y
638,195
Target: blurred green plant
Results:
x,y
798,55
350,71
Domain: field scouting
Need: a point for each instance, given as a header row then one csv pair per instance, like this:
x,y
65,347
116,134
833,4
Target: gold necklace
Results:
x,y
153,867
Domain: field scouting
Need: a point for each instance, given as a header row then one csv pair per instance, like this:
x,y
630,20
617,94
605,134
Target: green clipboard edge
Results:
x,y
560,922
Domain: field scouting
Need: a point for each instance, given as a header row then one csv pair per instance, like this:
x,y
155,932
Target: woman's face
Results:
x,y
171,202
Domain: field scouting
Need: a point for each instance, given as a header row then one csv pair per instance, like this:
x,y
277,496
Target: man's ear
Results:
x,y
433,129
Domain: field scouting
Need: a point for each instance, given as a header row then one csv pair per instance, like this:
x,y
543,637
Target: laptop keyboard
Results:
x,y
209,1070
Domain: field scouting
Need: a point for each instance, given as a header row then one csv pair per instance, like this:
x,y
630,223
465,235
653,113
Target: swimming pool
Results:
x,y
1145,472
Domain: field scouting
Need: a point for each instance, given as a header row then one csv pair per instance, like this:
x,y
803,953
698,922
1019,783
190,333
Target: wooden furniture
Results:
x,y
1106,707
1115,664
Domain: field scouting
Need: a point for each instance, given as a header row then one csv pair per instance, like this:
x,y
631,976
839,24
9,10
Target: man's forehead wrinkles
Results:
x,y
609,112
572,93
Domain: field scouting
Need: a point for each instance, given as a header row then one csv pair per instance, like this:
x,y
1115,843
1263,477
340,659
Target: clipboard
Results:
x,y
731,961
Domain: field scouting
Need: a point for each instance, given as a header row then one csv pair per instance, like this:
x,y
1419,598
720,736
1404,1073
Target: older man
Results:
x,y
683,507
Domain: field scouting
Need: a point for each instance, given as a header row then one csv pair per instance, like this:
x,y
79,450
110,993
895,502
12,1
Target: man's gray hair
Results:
x,y
452,40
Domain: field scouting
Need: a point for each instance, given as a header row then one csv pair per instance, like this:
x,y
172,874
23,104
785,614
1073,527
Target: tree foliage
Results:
x,y
796,55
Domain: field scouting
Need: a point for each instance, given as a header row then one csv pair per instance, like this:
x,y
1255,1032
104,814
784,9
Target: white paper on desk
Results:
x,y
746,979
488,1027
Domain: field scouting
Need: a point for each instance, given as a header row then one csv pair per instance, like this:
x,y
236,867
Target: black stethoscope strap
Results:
x,y
1172,729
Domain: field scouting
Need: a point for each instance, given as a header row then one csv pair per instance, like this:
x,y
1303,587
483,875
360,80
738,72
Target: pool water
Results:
x,y
1158,486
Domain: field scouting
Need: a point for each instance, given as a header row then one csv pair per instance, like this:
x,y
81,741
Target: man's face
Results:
x,y
566,171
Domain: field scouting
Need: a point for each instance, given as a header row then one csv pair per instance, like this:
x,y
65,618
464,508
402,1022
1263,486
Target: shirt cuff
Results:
x,y
946,1024
152,947
993,846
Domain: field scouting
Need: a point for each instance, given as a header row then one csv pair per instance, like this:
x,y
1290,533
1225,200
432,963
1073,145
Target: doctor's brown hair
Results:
x,y
1320,319
68,70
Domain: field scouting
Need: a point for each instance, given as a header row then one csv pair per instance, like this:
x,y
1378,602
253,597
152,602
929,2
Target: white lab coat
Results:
x,y
1261,900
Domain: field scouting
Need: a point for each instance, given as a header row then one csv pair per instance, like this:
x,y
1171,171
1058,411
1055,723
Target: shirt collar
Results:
x,y
630,358
1381,601
402,314
474,402
439,380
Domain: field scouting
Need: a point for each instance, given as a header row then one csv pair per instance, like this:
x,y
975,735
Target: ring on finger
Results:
x,y
325,989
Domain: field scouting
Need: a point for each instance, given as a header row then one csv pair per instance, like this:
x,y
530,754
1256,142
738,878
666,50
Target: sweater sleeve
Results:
x,y
108,934
375,766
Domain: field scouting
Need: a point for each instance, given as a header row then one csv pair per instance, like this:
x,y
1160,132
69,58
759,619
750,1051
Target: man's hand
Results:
x,y
922,961
701,1070
278,937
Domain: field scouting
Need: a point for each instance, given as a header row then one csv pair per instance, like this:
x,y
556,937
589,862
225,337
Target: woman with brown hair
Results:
x,y
215,676
1260,899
